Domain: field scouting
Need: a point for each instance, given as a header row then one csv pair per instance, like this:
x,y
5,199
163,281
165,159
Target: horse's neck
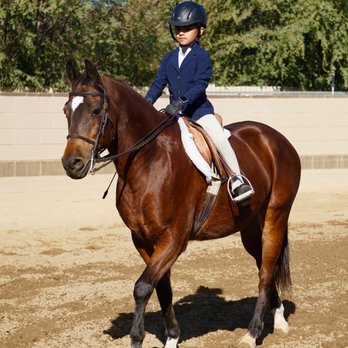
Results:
x,y
135,118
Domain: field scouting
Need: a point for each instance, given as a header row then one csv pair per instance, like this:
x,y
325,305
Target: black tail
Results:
x,y
283,277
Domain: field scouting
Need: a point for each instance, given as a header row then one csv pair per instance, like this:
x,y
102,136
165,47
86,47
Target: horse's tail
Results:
x,y
283,277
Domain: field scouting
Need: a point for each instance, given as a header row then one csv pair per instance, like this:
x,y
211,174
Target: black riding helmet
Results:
x,y
188,13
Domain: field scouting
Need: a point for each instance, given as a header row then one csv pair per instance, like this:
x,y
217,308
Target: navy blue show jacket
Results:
x,y
190,80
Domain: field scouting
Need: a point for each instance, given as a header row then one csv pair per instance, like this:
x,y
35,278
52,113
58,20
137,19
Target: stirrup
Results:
x,y
244,195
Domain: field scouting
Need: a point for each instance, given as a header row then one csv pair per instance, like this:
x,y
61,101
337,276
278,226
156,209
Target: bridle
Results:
x,y
95,154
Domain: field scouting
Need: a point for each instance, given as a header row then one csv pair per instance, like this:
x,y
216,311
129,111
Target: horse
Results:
x,y
159,192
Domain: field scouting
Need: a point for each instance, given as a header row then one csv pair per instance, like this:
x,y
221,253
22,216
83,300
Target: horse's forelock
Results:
x,y
86,81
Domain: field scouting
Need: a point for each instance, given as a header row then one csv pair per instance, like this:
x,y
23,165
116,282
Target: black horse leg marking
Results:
x,y
252,240
142,293
274,300
165,298
256,323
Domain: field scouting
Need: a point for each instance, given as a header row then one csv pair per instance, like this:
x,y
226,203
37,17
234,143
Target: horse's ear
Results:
x,y
92,72
72,71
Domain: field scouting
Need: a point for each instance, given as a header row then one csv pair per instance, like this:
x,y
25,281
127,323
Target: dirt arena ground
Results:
x,y
67,269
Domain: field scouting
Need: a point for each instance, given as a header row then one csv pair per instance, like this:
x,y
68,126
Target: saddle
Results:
x,y
207,148
208,151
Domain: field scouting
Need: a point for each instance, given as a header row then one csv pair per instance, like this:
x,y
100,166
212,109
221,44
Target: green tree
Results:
x,y
129,41
288,43
36,37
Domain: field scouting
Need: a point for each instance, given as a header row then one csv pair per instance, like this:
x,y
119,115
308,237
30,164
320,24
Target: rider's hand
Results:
x,y
176,106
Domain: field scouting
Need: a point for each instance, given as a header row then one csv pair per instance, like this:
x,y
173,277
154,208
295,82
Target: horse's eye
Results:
x,y
96,112
66,109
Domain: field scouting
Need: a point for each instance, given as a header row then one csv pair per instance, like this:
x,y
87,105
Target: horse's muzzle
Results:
x,y
75,167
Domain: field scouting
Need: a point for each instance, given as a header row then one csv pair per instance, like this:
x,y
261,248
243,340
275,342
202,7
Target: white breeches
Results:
x,y
212,126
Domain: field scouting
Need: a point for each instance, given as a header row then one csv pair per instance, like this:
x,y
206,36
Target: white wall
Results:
x,y
316,125
33,127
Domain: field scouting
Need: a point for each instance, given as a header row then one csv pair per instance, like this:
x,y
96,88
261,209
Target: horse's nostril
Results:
x,y
75,167
76,163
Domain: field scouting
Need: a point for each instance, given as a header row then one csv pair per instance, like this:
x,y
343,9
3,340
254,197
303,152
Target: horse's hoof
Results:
x,y
172,342
282,325
247,341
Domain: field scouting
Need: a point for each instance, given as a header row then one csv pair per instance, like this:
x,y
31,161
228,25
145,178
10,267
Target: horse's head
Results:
x,y
89,124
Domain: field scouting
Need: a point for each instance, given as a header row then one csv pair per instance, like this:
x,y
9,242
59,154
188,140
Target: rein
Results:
x,y
145,140
95,154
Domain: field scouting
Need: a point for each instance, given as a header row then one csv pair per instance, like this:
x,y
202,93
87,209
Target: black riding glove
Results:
x,y
176,106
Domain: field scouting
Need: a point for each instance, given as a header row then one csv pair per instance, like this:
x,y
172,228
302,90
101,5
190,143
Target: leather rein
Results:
x,y
96,153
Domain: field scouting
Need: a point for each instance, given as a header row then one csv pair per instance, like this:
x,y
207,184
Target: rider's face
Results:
x,y
187,35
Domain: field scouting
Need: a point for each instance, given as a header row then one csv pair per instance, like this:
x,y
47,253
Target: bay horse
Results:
x,y
159,192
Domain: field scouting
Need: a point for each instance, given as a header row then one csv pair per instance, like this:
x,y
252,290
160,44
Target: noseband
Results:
x,y
95,154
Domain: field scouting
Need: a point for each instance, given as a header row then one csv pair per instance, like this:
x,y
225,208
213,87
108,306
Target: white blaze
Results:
x,y
76,102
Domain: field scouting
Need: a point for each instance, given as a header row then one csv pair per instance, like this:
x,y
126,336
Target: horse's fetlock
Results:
x,y
255,328
173,332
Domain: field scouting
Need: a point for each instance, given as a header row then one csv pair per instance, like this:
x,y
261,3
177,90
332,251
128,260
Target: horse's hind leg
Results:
x,y
252,241
266,247
284,280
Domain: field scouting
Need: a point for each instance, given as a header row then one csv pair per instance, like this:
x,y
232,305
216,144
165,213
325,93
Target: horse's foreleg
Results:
x,y
165,298
142,293
156,275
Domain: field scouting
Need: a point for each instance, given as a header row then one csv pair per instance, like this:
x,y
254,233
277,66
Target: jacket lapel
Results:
x,y
187,59
192,54
174,57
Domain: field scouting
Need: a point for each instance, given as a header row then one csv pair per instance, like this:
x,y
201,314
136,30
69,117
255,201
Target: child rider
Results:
x,y
187,71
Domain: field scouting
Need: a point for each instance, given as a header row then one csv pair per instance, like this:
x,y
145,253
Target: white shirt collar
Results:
x,y
183,52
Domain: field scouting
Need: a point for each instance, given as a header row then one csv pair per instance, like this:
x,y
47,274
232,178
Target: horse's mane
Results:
x,y
119,80
85,80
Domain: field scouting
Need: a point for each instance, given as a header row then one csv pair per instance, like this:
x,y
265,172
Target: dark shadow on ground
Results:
x,y
198,314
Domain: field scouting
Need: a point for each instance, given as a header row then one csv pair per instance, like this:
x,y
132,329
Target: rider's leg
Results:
x,y
215,131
